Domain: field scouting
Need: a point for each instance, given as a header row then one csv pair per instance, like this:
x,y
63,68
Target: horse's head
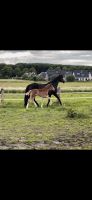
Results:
x,y
61,79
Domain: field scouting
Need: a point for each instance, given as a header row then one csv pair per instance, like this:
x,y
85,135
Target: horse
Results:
x,y
42,92
32,86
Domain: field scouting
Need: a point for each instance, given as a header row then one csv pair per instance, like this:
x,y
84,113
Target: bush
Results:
x,y
70,78
71,113
74,114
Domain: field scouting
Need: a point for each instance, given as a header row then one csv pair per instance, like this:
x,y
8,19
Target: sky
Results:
x,y
42,56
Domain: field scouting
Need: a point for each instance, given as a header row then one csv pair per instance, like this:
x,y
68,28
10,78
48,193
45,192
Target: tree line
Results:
x,y
18,70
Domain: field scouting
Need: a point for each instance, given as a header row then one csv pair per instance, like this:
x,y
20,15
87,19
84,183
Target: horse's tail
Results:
x,y
26,98
28,93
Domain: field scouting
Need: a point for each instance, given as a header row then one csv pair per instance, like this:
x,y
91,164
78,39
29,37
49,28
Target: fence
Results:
x,y
2,95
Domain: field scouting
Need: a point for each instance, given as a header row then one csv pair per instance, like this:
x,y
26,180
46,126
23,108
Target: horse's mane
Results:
x,y
48,85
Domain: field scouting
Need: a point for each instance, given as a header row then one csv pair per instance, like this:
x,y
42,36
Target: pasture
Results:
x,y
10,84
57,127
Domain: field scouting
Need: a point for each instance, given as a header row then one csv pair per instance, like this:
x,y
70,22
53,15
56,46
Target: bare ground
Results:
x,y
77,141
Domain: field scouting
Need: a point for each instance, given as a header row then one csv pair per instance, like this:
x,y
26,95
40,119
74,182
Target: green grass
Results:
x,y
76,86
14,83
47,128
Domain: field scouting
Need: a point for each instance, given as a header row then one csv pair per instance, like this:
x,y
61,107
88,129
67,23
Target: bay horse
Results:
x,y
42,92
32,86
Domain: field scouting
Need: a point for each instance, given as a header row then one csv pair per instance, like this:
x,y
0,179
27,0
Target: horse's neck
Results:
x,y
55,83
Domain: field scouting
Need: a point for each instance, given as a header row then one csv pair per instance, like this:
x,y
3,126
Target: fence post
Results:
x,y
2,95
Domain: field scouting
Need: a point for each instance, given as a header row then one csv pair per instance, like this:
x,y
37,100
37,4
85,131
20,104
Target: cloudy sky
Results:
x,y
54,57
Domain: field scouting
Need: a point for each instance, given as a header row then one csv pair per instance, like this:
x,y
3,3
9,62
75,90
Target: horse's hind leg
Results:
x,y
27,104
42,103
36,103
26,98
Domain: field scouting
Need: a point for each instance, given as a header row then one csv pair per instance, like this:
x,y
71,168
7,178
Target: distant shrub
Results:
x,y
70,78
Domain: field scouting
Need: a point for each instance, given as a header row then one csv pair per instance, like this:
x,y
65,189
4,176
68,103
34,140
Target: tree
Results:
x,y
18,71
6,72
32,69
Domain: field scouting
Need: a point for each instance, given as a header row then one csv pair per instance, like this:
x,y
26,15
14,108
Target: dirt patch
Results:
x,y
79,141
6,145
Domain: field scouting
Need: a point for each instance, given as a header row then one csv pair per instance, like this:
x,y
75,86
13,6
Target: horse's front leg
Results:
x,y
58,97
48,100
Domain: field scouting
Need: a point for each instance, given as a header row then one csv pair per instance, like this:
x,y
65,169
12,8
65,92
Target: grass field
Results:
x,y
11,84
57,127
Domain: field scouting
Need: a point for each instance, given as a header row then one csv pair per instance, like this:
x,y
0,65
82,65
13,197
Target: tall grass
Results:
x,y
67,126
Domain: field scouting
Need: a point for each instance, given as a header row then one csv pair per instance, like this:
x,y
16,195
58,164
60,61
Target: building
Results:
x,y
80,75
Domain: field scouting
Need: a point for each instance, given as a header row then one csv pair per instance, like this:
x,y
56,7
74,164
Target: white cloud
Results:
x,y
54,57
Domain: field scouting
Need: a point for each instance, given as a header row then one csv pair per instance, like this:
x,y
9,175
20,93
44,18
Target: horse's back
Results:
x,y
31,86
34,86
